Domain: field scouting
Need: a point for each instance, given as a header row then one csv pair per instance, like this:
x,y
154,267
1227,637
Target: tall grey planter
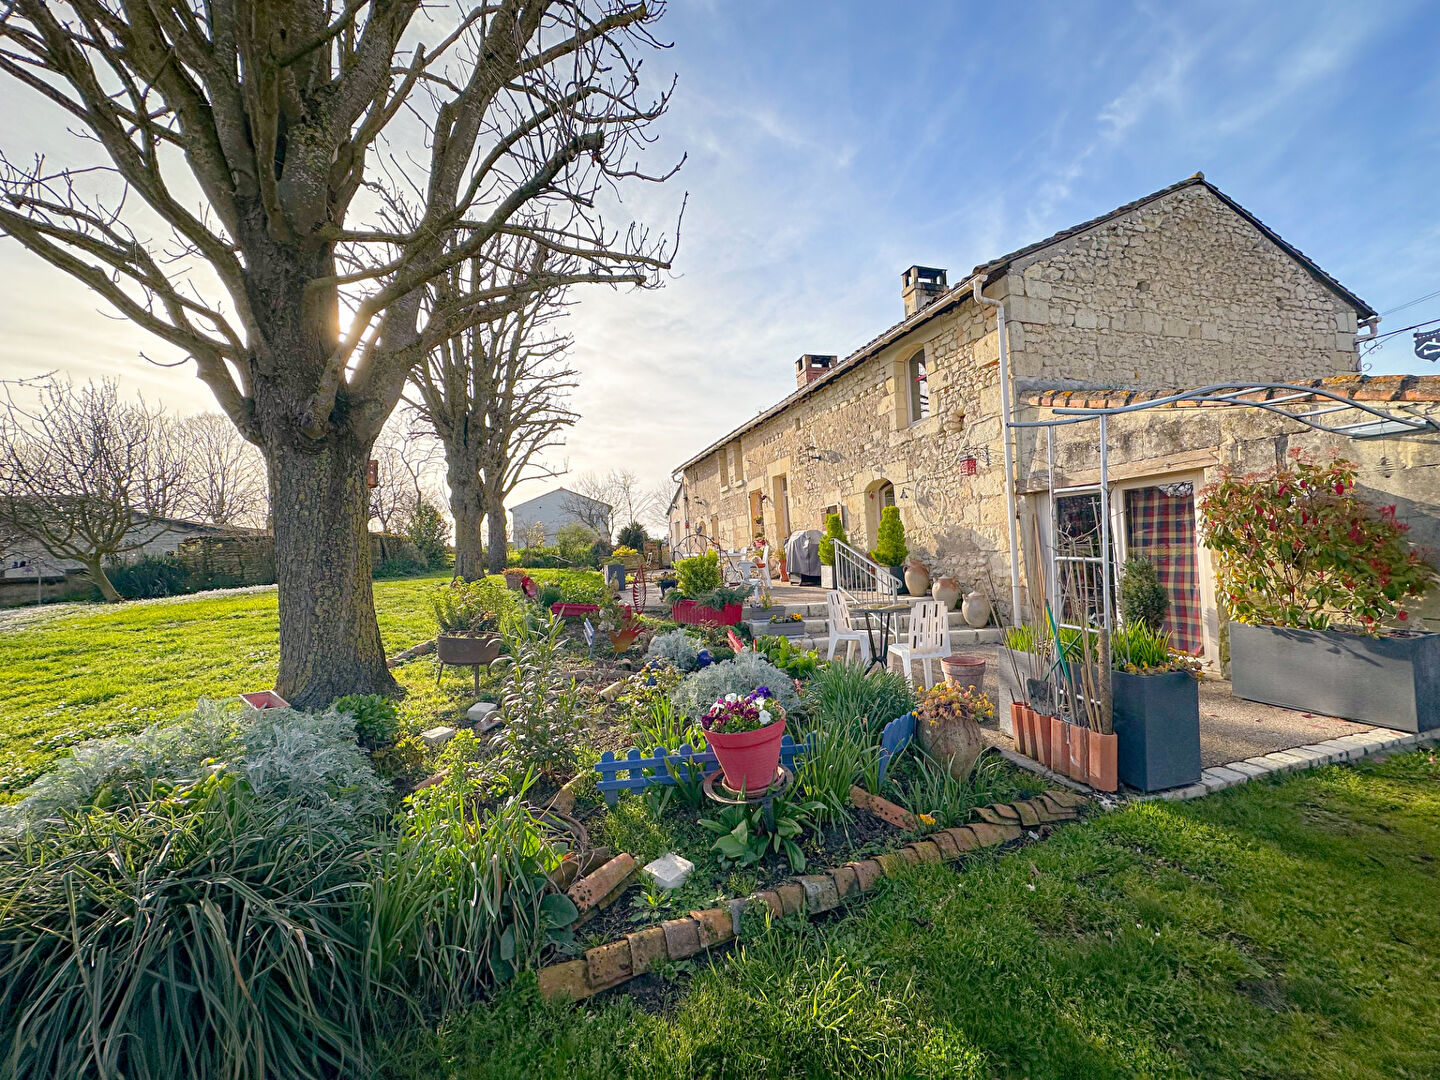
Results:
x,y
1157,720
1393,682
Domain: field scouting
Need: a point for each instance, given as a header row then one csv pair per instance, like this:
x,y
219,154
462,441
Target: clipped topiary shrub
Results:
x,y
834,530
890,549
1143,600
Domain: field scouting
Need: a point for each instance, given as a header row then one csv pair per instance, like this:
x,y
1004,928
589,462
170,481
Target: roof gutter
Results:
x,y
976,284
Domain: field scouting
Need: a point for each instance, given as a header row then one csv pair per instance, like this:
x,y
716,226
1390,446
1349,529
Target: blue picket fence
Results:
x,y
637,771
893,739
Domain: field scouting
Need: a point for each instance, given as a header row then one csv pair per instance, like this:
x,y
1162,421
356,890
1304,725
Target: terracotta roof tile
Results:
x,y
1410,388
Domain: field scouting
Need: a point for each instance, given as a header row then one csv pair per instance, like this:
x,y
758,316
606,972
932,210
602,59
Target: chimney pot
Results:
x,y
919,286
810,367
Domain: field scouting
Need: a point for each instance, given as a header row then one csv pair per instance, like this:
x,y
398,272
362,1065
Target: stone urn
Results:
x,y
976,609
953,740
917,578
947,591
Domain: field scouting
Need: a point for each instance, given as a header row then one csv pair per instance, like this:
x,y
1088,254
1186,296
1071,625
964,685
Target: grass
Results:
x,y
1278,930
88,671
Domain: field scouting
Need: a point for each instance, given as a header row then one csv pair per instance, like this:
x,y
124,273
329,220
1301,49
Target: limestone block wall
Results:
x,y
837,444
1179,293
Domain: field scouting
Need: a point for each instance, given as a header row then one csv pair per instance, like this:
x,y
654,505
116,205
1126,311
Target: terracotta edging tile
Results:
x,y
642,951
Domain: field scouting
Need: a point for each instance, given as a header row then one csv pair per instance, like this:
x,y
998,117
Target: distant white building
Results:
x,y
551,512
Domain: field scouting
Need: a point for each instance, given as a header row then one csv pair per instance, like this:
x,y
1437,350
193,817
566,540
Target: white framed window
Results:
x,y
918,376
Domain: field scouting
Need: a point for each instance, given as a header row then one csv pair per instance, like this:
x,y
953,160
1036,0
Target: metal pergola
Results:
x,y
1310,406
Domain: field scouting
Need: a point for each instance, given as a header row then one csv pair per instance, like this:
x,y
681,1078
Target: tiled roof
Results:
x,y
1372,388
995,268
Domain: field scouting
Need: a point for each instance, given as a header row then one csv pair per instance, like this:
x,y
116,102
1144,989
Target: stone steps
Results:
x,y
819,630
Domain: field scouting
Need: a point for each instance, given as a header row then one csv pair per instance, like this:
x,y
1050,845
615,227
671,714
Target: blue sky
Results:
x,y
831,145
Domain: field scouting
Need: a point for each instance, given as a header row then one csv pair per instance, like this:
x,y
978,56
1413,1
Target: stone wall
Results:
x,y
246,560
1179,293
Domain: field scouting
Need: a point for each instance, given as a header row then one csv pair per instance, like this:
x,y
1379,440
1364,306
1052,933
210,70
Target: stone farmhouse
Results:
x,y
1180,289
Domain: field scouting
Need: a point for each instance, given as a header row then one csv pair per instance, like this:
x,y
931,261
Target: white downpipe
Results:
x,y
1009,454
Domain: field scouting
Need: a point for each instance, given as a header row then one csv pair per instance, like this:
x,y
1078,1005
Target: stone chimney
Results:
x,y
810,367
919,286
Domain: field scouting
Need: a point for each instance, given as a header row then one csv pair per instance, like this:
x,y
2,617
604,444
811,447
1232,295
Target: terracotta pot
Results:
x,y
947,591
1059,744
957,742
1078,742
1036,723
976,610
917,578
749,759
963,670
1016,708
1023,734
1042,739
1102,761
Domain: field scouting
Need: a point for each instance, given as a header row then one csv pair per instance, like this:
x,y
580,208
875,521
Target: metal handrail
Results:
x,y
861,579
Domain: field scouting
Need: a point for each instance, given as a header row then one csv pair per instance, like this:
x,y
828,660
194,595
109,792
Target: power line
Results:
x,y
1411,303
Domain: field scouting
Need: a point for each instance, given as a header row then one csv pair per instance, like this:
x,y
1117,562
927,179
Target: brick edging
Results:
x,y
609,965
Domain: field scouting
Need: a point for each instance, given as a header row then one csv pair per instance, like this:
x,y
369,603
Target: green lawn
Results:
x,y
1281,930
106,670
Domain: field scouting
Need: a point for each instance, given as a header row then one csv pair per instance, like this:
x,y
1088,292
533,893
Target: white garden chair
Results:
x,y
838,618
928,639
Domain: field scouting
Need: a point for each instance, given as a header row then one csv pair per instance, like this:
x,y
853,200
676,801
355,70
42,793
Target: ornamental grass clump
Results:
x,y
1297,547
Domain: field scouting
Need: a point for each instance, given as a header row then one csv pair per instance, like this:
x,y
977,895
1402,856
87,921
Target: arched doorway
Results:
x,y
879,495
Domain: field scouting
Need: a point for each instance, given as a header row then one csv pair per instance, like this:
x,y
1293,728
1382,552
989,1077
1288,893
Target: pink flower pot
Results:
x,y
749,759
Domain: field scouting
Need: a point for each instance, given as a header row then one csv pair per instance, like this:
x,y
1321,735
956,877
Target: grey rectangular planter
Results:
x,y
777,629
1392,682
1157,719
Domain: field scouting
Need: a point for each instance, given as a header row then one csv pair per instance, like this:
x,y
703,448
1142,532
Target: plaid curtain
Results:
x,y
1160,527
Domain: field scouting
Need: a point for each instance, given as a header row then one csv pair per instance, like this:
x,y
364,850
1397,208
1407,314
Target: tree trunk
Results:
x,y
466,506
96,573
495,514
329,638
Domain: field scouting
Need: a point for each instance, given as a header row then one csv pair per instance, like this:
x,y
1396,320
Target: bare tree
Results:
x,y
406,456
83,475
621,490
494,396
245,130
224,474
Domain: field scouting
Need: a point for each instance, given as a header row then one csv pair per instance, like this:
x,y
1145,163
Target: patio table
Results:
x,y
885,613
